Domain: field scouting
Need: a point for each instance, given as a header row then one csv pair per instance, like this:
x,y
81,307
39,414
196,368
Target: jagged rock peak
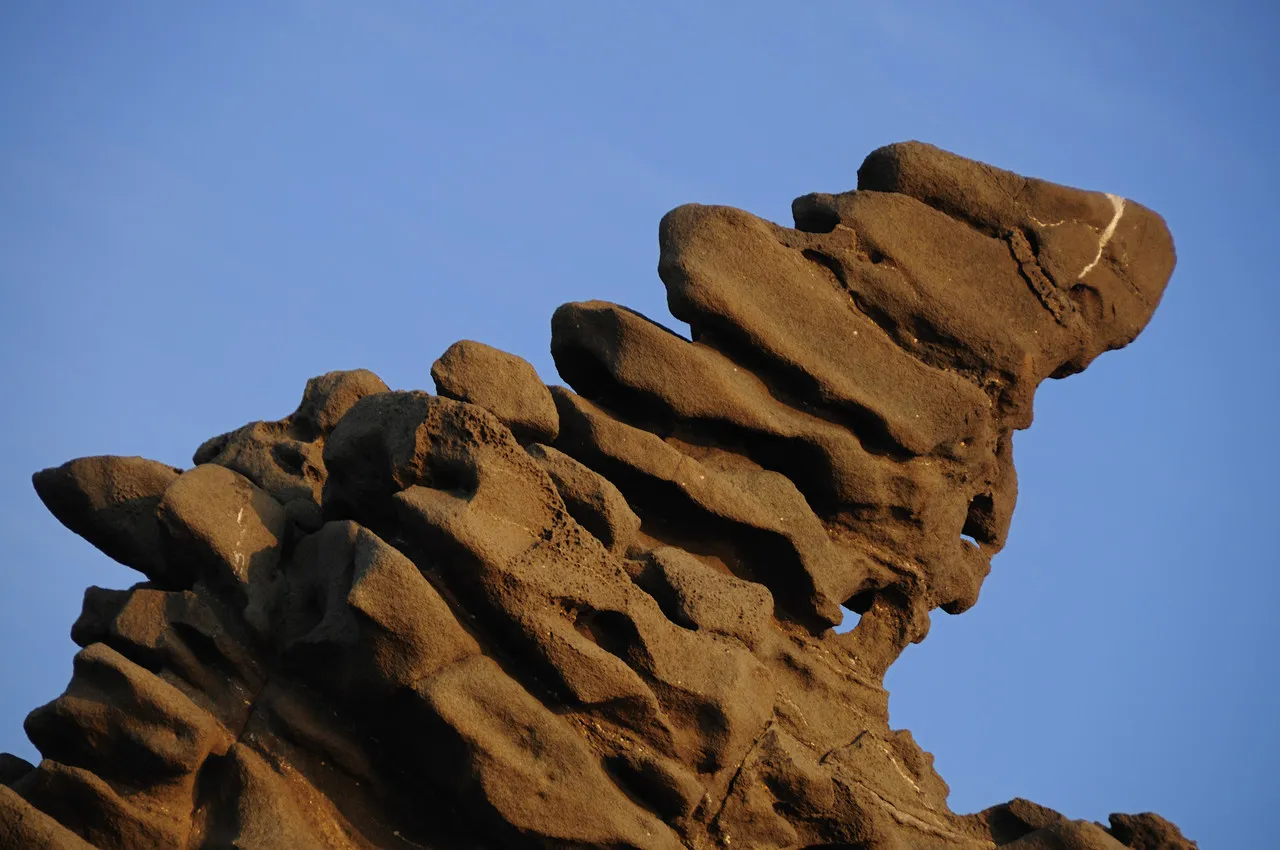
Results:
x,y
601,615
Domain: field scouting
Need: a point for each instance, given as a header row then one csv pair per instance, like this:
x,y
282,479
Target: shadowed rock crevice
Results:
x,y
601,615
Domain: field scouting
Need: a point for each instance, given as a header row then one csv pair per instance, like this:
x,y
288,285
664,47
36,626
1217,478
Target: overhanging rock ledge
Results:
x,y
508,615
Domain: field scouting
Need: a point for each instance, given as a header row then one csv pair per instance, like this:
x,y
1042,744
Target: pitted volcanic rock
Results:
x,y
509,615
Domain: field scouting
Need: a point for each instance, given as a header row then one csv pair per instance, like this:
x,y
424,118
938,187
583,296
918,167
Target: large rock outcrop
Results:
x,y
514,616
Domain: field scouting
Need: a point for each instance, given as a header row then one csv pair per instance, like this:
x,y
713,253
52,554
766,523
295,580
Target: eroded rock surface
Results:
x,y
516,616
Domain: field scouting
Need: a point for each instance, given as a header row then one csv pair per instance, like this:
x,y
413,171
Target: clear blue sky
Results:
x,y
202,205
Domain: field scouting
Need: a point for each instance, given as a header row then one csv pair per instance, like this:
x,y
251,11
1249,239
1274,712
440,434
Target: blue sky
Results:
x,y
203,206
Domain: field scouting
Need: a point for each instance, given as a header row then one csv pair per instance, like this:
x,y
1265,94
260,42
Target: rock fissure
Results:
x,y
1117,204
915,822
737,772
1038,279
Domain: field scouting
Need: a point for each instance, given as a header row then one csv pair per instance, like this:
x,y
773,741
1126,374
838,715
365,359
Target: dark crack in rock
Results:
x,y
515,616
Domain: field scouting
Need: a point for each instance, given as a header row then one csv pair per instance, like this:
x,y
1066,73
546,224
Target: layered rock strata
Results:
x,y
508,615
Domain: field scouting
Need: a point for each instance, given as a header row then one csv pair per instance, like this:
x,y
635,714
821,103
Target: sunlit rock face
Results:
x,y
507,615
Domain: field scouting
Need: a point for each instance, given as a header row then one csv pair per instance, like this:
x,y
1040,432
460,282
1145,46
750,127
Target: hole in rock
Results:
x,y
290,458
853,608
980,521
611,631
850,621
455,476
860,603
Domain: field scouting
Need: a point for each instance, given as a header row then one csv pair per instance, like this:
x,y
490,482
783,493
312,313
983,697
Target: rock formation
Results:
x,y
508,615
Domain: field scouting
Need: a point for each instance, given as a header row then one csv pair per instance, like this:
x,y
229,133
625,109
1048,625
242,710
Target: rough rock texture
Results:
x,y
507,616
503,384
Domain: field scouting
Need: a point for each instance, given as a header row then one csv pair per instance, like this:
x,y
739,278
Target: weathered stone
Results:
x,y
227,532
514,616
1148,831
505,385
591,498
111,502
328,398
13,768
23,825
285,458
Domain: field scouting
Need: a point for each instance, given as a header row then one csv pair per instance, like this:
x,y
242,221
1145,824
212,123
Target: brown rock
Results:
x,y
23,825
1119,250
111,502
328,397
13,768
373,606
228,532
1148,831
699,597
532,768
123,723
514,616
1067,835
776,539
1012,820
285,458
590,498
505,385
272,810
290,470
